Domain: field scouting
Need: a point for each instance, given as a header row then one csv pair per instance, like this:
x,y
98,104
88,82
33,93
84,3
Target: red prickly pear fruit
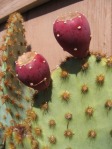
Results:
x,y
33,70
73,33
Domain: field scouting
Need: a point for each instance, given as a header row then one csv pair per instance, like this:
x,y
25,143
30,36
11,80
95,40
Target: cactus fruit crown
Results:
x,y
75,111
26,58
68,16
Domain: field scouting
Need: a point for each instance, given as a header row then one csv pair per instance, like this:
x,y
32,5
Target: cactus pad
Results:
x,y
76,110
14,96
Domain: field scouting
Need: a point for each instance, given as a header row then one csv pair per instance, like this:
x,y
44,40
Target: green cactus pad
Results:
x,y
15,98
76,110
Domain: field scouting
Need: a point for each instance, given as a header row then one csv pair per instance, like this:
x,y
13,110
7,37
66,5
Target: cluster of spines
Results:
x,y
16,135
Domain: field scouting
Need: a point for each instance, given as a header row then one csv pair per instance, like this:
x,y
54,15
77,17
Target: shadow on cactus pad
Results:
x,y
42,97
67,66
71,63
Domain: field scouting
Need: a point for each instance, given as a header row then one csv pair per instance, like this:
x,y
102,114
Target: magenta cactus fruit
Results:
x,y
33,70
73,33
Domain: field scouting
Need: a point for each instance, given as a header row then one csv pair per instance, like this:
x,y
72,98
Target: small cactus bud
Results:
x,y
38,131
45,106
85,66
3,48
89,111
8,132
2,74
109,62
65,96
52,139
8,110
31,115
68,133
100,79
92,134
17,115
52,123
35,144
108,104
84,88
68,116
64,74
98,57
4,58
11,145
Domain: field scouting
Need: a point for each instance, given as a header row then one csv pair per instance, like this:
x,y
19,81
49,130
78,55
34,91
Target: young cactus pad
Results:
x,y
14,96
76,110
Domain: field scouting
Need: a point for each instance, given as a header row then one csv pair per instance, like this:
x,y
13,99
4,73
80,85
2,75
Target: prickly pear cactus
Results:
x,y
76,110
14,96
